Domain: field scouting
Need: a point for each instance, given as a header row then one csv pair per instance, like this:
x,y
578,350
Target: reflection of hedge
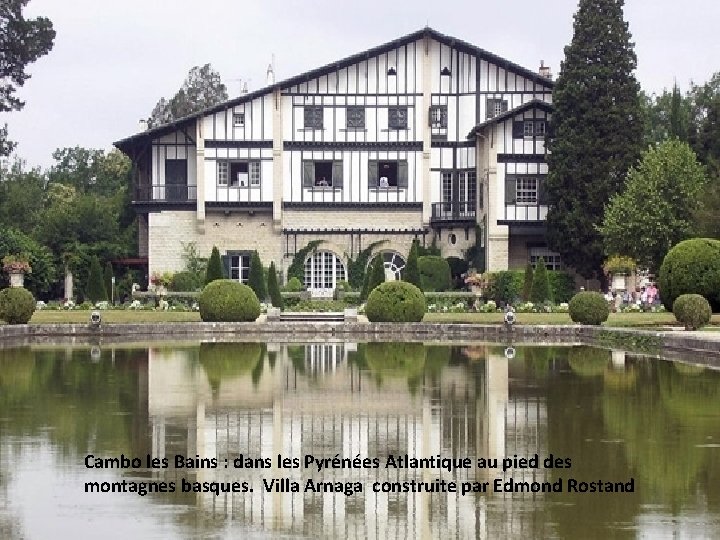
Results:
x,y
436,358
692,400
588,361
228,360
16,370
395,359
620,379
688,369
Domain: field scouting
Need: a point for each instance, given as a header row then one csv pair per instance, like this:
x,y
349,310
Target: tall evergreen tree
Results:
x,y
377,273
541,284
95,290
256,280
411,272
273,287
107,279
595,132
678,128
214,268
527,283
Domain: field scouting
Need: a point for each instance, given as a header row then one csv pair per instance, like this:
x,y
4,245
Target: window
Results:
x,y
533,128
238,173
397,118
323,269
355,117
552,259
388,174
495,107
526,190
313,117
238,266
438,116
322,174
239,119
394,265
447,191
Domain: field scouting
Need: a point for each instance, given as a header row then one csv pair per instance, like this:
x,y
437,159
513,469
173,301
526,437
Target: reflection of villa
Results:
x,y
316,400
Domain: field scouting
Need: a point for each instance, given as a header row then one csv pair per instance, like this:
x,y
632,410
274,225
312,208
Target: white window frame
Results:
x,y
322,270
239,266
254,174
553,261
239,119
526,190
533,128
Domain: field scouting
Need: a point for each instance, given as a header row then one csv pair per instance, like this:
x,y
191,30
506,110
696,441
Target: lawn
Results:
x,y
48,316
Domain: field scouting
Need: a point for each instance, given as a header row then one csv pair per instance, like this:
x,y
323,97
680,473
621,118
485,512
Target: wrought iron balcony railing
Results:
x,y
453,211
166,193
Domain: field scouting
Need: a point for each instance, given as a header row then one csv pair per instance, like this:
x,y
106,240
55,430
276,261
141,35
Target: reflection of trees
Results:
x,y
540,360
396,360
229,361
588,361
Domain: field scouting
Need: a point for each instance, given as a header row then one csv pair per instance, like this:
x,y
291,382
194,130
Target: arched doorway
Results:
x,y
323,269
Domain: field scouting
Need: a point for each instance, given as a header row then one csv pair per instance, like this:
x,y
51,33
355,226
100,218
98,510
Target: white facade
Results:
x,y
379,141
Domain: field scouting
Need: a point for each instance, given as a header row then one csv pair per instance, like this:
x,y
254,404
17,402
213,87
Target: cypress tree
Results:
x,y
107,279
365,284
256,280
677,125
411,272
595,132
273,287
540,284
95,287
214,268
528,283
377,273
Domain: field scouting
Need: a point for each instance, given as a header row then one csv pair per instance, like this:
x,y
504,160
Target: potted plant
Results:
x,y
619,267
477,282
16,266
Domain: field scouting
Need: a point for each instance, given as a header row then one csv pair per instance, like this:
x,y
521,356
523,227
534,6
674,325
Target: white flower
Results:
x,y
40,305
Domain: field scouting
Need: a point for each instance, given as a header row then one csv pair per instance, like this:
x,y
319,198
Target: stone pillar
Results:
x,y
426,132
69,293
200,170
17,279
277,126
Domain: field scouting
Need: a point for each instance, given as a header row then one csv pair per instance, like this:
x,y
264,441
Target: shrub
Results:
x,y
43,276
225,300
691,267
692,310
457,265
527,283
274,288
364,290
256,279
411,272
540,291
214,268
589,308
376,273
434,273
185,281
506,287
395,301
17,305
562,286
95,291
294,285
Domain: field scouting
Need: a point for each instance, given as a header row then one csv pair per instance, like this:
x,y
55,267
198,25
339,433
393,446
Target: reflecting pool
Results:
x,y
220,434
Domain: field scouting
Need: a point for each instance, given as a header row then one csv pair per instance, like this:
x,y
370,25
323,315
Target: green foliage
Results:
x,y
44,272
411,272
227,361
691,267
356,267
21,197
562,286
343,286
17,305
225,300
630,341
95,289
458,266
475,254
297,266
273,287
214,267
395,301
434,273
506,287
195,266
365,289
656,209
595,132
588,307
256,280
540,291
107,279
294,285
432,250
377,273
589,361
185,281
692,310
527,283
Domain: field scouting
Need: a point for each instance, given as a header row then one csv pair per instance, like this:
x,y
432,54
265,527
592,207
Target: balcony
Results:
x,y
170,193
524,213
453,212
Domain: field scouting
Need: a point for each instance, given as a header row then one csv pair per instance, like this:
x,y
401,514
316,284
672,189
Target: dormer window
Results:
x,y
534,128
495,107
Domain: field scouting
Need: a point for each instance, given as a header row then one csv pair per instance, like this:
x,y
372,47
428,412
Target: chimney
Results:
x,y
270,77
244,88
143,124
544,70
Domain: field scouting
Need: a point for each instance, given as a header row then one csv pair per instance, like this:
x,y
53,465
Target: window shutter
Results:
x,y
503,106
518,130
337,174
510,190
308,174
542,190
402,174
372,173
225,259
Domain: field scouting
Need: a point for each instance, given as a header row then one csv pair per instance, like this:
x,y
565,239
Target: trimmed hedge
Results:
x,y
395,301
692,310
691,267
589,308
507,286
17,305
225,300
186,281
434,273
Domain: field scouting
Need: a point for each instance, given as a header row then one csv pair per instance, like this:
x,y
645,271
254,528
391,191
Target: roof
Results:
x,y
532,104
334,66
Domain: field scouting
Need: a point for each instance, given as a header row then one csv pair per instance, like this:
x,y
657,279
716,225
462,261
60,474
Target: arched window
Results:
x,y
323,269
394,264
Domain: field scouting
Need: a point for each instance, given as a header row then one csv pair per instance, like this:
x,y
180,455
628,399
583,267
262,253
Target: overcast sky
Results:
x,y
113,59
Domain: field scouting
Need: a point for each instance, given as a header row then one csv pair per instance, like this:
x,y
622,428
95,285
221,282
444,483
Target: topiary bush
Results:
x,y
273,287
691,267
562,286
185,281
17,305
527,283
434,273
214,268
692,310
589,308
395,301
225,300
294,285
540,291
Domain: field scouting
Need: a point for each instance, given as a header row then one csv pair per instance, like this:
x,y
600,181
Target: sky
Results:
x,y
113,60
